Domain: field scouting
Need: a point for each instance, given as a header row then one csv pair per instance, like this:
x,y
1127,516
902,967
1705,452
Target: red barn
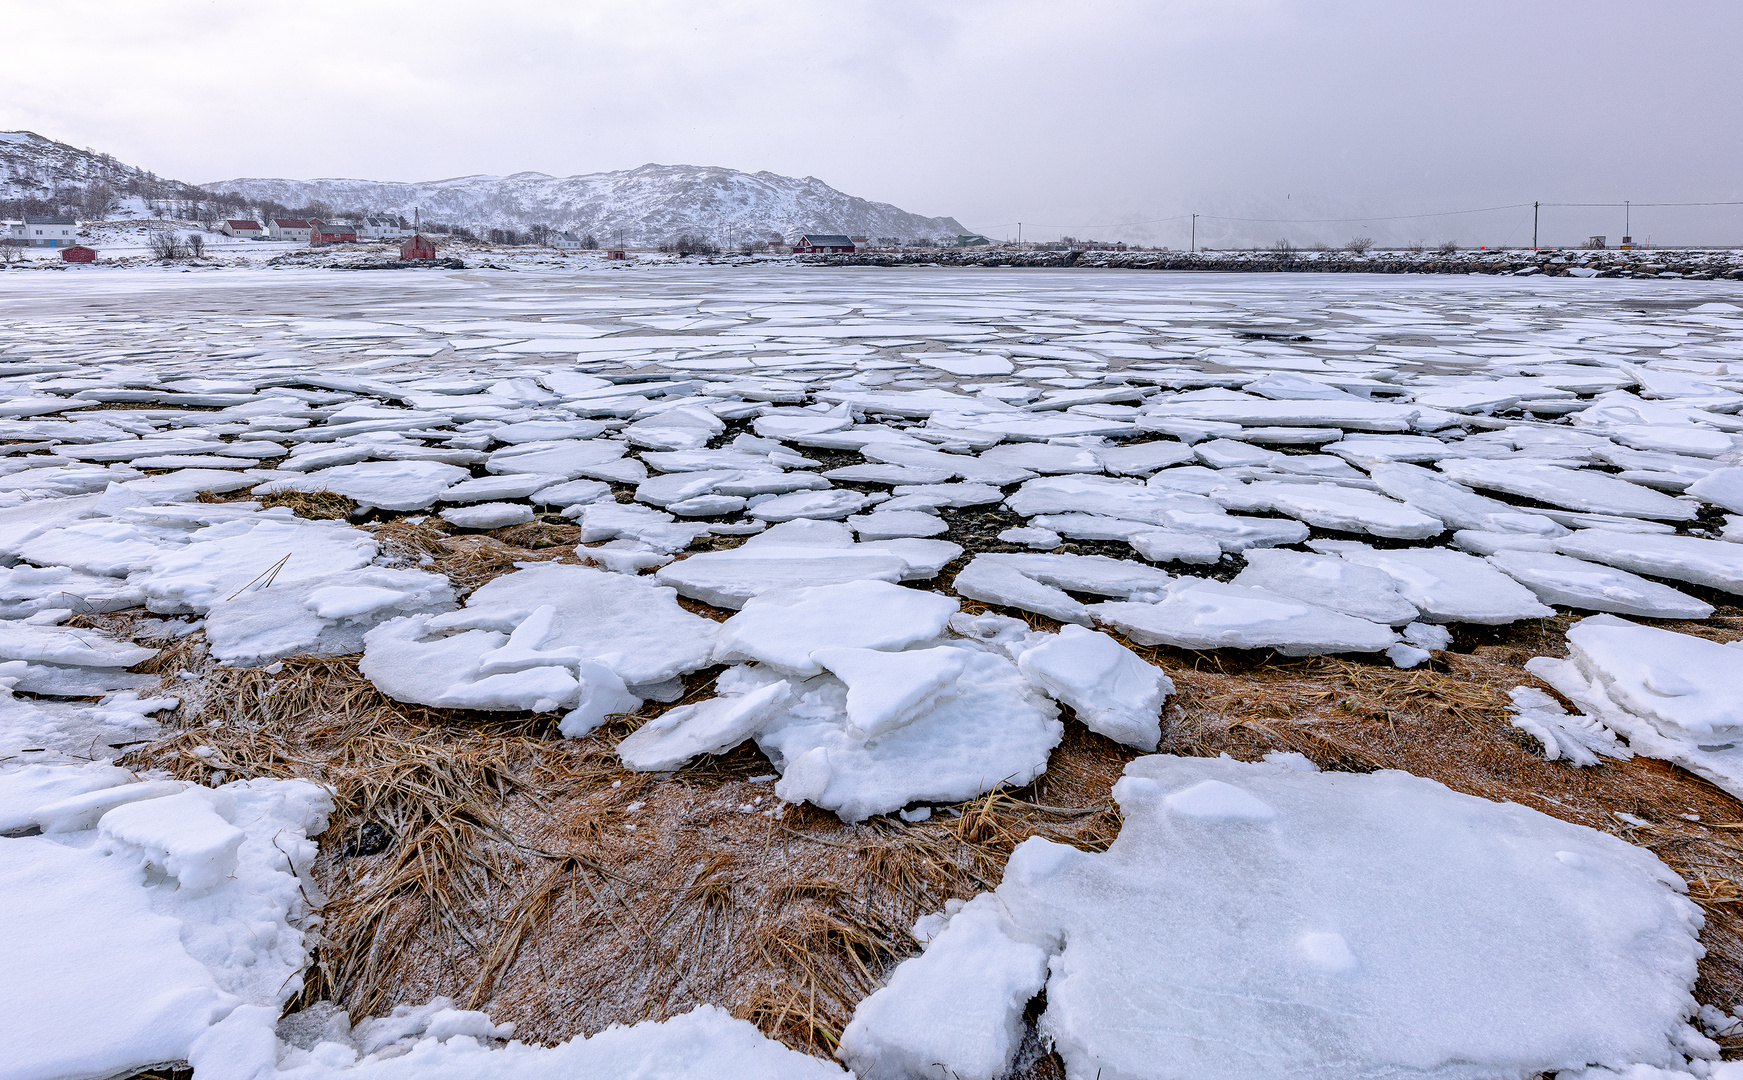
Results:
x,y
78,253
320,233
418,247
823,244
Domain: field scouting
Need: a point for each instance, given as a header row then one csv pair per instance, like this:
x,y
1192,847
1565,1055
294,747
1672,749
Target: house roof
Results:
x,y
335,229
392,223
826,240
237,223
291,223
47,219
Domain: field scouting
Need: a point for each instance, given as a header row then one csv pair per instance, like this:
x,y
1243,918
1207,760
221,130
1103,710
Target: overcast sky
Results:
x,y
1063,114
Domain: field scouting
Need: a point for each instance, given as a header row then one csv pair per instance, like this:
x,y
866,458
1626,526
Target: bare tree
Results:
x,y
1415,247
588,242
1448,247
540,233
1283,247
197,245
165,245
9,252
1359,245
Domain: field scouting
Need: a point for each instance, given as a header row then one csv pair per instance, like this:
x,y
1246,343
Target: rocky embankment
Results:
x,y
1699,264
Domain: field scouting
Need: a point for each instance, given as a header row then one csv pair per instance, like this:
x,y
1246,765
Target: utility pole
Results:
x,y
1195,232
1534,207
1019,234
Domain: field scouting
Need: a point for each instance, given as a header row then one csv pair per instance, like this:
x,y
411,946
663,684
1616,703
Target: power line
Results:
x,y
1335,220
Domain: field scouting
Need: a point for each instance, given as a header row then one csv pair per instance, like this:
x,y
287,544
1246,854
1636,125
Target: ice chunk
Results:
x,y
1329,582
603,694
961,1002
25,790
709,727
1142,459
1308,893
1177,545
1198,613
886,690
266,551
1446,586
327,614
1716,564
682,428
1104,496
1332,507
567,458
68,646
487,515
1575,489
783,628
1558,579
1112,691
1685,685
631,624
184,835
995,730
509,486
1721,487
1576,739
1038,582
390,485
825,505
1036,539
1045,458
890,524
1459,507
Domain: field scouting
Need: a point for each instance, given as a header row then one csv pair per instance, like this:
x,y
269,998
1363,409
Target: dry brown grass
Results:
x,y
320,505
531,875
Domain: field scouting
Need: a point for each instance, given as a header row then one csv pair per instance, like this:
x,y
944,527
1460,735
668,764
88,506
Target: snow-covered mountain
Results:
x,y
651,204
35,168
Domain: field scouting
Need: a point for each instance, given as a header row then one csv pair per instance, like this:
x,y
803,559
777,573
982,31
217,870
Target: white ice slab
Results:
x,y
1110,688
1329,582
1446,586
1559,579
1199,613
1318,924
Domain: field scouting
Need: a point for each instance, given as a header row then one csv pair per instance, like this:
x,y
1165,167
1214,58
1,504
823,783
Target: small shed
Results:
x,y
78,253
616,253
418,247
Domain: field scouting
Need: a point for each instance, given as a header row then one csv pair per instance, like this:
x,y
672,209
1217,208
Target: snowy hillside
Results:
x,y
36,168
649,204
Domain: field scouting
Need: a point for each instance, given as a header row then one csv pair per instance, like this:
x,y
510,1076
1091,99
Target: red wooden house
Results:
x,y
321,233
418,247
78,253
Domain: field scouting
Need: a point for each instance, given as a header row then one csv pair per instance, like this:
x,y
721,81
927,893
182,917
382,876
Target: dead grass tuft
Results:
x,y
319,505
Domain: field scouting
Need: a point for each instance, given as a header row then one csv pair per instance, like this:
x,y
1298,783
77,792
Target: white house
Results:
x,y
245,229
381,228
566,240
296,230
44,230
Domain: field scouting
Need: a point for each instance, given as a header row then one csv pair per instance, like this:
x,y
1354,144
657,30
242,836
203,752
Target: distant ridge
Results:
x,y
650,204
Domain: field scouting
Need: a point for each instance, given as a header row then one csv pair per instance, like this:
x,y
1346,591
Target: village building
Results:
x,y
566,240
245,230
336,233
418,247
78,253
44,230
296,230
382,228
823,244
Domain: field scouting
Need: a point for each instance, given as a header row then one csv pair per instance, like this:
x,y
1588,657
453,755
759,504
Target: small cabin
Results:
x,y
418,247
246,230
78,253
823,244
616,253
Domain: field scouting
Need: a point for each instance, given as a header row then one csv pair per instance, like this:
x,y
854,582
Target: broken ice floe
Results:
x,y
1672,696
1282,910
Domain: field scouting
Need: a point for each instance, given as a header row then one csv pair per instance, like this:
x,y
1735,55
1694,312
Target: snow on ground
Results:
x,y
1269,463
